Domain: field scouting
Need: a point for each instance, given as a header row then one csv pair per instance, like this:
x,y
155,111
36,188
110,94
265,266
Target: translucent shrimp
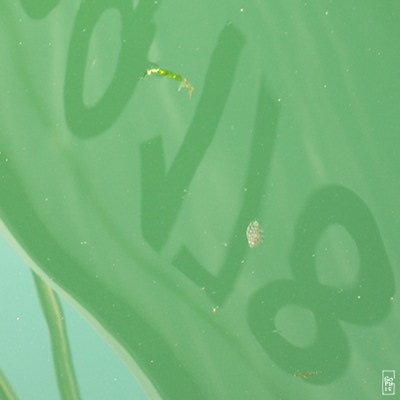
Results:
x,y
172,75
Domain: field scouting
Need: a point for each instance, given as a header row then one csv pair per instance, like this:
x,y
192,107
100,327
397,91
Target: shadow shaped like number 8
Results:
x,y
366,303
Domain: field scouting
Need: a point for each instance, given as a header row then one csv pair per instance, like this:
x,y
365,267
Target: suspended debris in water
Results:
x,y
305,375
254,234
172,75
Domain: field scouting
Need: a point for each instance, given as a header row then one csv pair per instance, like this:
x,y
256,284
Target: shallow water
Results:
x,y
132,200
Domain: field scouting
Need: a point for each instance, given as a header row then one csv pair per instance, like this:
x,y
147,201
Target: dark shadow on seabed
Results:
x,y
366,303
259,164
39,9
137,34
162,190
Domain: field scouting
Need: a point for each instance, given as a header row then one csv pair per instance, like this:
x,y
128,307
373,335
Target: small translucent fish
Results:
x,y
254,234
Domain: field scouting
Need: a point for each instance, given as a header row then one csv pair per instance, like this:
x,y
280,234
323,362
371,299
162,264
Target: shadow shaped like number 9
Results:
x,y
136,36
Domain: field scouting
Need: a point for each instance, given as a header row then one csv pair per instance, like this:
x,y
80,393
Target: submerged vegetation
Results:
x,y
64,369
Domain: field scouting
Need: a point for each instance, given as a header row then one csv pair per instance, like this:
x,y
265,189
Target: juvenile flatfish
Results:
x,y
254,234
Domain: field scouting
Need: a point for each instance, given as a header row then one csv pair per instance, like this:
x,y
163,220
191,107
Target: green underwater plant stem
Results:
x,y
172,75
6,391
54,316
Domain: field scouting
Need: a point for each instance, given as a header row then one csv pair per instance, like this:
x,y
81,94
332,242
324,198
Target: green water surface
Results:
x,y
132,201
